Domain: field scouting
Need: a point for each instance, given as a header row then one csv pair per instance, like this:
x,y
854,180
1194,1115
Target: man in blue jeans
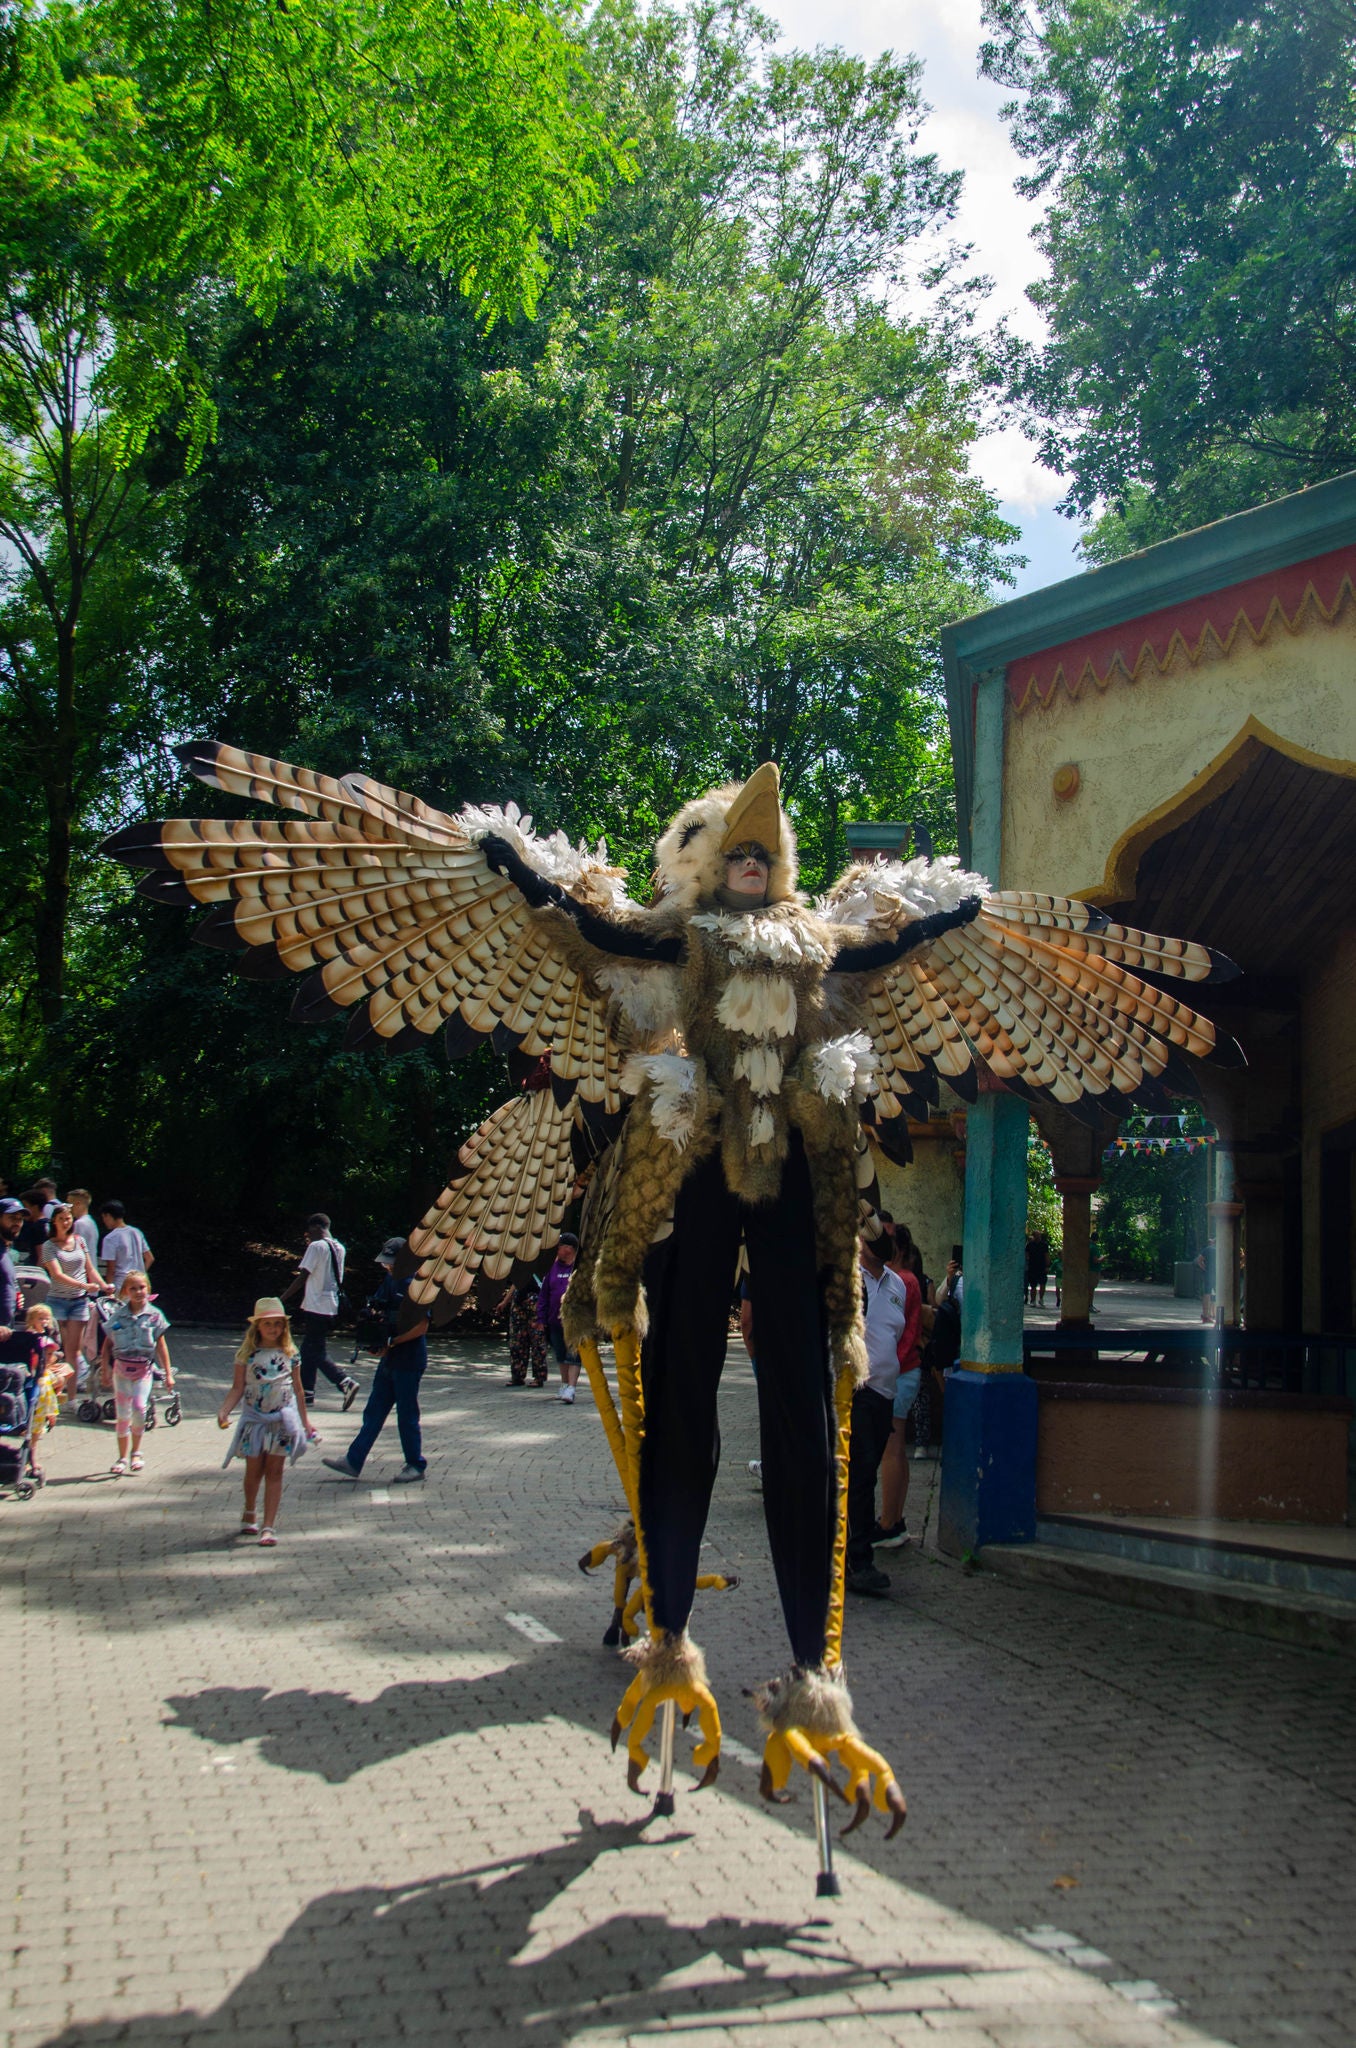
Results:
x,y
395,1384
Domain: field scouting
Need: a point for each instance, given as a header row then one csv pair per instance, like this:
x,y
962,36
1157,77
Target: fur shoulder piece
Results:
x,y
876,900
784,936
586,874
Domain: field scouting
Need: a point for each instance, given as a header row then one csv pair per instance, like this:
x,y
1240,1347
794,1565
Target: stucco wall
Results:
x,y
1136,745
928,1195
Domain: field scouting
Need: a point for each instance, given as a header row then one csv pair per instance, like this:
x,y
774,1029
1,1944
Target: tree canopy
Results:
x,y
1200,228
708,504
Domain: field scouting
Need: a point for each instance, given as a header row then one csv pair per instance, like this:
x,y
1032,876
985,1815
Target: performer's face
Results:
x,y
746,871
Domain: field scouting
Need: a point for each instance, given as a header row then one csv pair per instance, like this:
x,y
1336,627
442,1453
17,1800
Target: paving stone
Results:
x,y
328,1793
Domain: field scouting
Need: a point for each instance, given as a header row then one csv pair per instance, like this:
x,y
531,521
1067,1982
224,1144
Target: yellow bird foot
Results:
x,y
807,1716
669,1668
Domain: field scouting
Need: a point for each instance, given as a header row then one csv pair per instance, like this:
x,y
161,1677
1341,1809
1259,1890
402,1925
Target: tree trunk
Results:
x,y
54,902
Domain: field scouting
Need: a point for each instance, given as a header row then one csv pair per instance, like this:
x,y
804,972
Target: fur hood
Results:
x,y
689,862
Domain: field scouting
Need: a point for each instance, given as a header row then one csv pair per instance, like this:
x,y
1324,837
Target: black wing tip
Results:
x,y
137,845
218,929
162,887
1227,1052
1222,968
200,757
459,1038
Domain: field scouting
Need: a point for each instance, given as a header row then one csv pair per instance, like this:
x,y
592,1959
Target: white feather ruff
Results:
x,y
761,1067
749,939
886,897
648,997
845,1066
673,1100
762,1130
759,1005
553,857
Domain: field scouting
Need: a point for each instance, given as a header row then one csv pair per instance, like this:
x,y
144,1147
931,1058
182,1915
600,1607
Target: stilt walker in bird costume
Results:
x,y
740,1044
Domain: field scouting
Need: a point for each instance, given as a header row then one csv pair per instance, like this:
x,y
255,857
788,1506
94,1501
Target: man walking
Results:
x,y
395,1384
11,1300
873,1414
124,1249
318,1279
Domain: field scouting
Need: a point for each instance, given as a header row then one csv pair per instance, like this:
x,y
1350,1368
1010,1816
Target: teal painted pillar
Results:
x,y
988,1492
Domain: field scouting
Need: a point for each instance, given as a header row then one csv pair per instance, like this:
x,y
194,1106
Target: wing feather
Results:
x,y
386,902
496,1215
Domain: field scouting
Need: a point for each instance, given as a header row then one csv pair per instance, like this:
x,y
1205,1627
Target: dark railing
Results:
x,y
1282,1361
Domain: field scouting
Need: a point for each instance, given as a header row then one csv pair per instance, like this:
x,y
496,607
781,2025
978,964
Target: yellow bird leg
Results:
x,y
591,1559
717,1582
776,1769
630,1610
670,1669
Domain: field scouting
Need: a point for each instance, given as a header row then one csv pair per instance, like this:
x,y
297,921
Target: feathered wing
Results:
x,y
388,907
1043,991
504,1206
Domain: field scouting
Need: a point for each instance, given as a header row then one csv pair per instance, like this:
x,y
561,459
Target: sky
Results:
x,y
966,133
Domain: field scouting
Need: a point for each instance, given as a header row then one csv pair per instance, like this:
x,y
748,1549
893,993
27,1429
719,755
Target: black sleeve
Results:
x,y
598,930
866,959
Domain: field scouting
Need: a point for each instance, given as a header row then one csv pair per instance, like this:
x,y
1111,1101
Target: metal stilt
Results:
x,y
668,1713
826,1884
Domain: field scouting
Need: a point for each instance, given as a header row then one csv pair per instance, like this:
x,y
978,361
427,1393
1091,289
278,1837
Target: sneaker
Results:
x,y
567,1394
350,1390
869,1581
342,1465
755,1470
893,1538
407,1475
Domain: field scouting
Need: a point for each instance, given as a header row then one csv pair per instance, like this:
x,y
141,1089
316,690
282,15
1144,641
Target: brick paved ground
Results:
x,y
329,1794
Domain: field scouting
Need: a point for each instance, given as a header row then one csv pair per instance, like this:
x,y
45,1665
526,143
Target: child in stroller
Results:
x,y
28,1407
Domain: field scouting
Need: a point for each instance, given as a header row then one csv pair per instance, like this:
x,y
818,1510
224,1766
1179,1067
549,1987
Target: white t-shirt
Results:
x,y
127,1249
323,1276
887,1311
86,1227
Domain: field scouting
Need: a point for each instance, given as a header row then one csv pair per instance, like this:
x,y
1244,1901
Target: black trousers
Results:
x,y
873,1419
689,1279
314,1349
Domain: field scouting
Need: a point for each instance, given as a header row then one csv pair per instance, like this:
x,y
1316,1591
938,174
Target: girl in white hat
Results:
x,y
273,1425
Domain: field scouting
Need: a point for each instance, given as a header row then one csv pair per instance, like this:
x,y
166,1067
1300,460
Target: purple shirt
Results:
x,y
552,1294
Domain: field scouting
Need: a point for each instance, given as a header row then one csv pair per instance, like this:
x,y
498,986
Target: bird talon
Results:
x,y
633,1771
767,1790
709,1775
899,1808
616,1730
612,1636
863,1809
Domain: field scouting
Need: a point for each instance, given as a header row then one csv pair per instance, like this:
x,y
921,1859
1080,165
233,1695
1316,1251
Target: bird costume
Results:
x,y
731,1049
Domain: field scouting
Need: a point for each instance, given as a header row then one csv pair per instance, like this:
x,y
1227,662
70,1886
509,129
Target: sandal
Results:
x,y
137,1462
249,1525
267,1539
118,1470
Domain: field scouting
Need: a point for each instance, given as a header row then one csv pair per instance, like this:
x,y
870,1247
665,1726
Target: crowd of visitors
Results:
x,y
76,1303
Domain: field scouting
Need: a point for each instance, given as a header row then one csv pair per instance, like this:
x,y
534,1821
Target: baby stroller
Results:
x,y
18,1391
173,1412
92,1406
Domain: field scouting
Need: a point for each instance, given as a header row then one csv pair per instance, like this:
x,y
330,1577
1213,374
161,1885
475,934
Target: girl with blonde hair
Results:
x,y
134,1343
273,1425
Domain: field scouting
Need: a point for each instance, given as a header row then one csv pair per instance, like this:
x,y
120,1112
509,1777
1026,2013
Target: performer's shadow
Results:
x,y
333,1736
445,1961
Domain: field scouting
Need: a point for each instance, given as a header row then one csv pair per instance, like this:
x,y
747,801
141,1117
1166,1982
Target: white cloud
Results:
x,y
966,132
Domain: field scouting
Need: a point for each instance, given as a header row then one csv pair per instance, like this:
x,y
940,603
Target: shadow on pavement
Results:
x,y
439,1961
333,1736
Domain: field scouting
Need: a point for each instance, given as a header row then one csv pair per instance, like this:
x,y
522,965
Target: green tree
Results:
x,y
1200,230
149,158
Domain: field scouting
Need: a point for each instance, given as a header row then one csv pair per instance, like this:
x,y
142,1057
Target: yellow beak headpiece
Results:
x,y
755,816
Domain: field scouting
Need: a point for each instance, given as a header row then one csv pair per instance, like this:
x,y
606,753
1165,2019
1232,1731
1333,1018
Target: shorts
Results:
x,y
69,1308
906,1391
131,1392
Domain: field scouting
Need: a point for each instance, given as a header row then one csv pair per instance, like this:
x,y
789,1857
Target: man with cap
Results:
x,y
549,1310
395,1383
11,1223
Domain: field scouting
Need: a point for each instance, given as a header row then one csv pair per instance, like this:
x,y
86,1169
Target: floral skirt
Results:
x,y
278,1434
